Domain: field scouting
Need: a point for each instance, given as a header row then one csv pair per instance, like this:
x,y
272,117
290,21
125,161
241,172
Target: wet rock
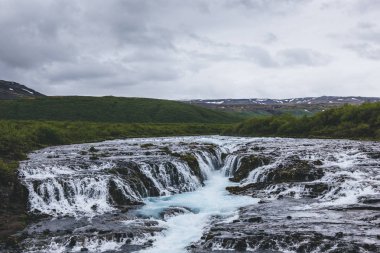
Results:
x,y
255,220
173,211
13,204
370,199
73,242
374,155
317,162
246,189
93,149
316,190
294,170
192,161
118,197
248,164
240,245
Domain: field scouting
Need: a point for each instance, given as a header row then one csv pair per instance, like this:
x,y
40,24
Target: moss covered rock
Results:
x,y
294,170
248,164
192,161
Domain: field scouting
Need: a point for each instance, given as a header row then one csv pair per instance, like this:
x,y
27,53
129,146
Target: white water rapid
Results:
x,y
210,200
202,194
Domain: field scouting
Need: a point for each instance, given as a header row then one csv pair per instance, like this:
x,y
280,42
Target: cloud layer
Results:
x,y
192,49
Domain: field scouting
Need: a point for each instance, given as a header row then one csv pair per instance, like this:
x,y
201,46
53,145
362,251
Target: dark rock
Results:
x,y
13,90
131,172
317,189
370,199
289,217
93,149
240,245
294,170
13,204
148,145
73,242
173,211
246,188
94,207
373,155
192,161
255,220
248,164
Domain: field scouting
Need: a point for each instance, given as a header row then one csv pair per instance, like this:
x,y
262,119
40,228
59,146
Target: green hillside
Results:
x,y
349,121
110,109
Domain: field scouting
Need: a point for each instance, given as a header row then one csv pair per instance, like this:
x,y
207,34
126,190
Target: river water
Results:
x,y
203,194
210,200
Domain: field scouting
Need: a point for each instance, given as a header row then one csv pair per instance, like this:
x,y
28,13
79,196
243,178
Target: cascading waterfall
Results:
x,y
87,188
169,194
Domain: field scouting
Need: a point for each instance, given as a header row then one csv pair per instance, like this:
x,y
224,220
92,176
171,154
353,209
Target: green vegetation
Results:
x,y
111,109
349,121
256,110
30,124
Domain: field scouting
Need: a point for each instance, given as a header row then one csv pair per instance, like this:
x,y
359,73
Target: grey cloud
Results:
x,y
299,56
364,6
53,37
266,5
366,50
78,71
365,40
28,38
260,56
131,47
270,38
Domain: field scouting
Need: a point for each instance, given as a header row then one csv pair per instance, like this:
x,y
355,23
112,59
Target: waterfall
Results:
x,y
79,185
165,194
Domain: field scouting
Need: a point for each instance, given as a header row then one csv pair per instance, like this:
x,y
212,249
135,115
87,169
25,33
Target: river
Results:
x,y
203,194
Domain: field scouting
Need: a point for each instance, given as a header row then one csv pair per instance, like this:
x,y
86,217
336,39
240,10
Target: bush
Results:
x,y
48,136
349,121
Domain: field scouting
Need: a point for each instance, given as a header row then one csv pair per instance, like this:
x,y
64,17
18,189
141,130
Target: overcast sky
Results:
x,y
181,49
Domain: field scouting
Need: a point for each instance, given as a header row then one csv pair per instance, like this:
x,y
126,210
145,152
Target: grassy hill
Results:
x,y
29,124
349,121
110,109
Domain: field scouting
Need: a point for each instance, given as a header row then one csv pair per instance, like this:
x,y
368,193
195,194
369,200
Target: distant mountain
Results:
x,y
13,90
266,107
289,101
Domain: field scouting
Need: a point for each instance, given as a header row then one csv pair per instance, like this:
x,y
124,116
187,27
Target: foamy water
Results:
x,y
65,182
213,199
